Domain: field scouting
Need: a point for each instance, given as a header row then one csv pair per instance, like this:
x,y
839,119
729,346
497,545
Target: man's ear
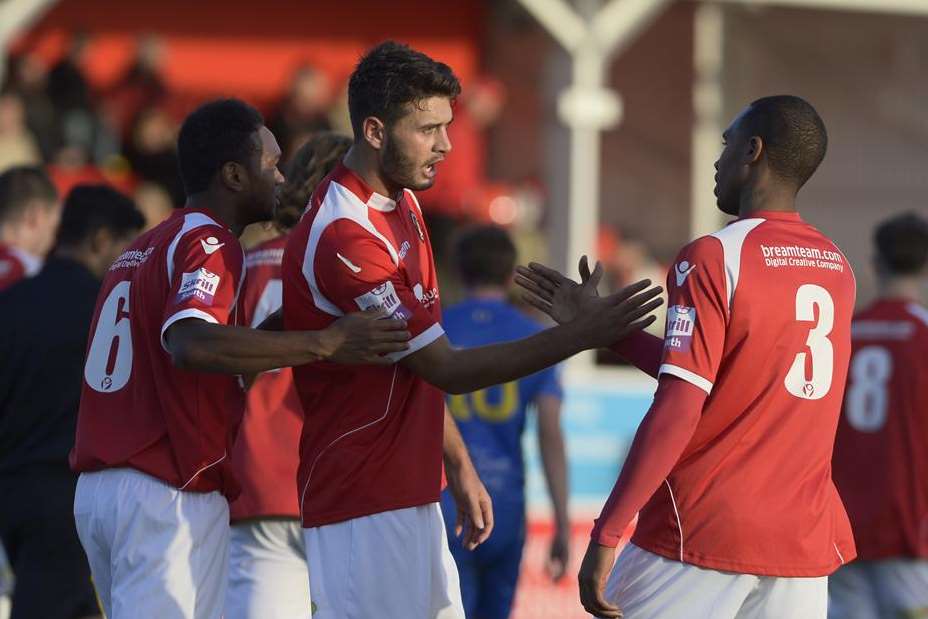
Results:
x,y
755,149
374,132
234,176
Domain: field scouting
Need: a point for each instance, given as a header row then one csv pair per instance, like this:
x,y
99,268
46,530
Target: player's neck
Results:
x,y
222,210
769,198
487,293
84,257
363,162
903,288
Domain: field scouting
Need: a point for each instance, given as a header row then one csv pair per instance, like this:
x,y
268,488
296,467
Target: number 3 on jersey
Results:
x,y
816,386
109,361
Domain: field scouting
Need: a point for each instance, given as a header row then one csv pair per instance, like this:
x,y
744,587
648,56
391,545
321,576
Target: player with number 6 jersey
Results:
x,y
161,401
880,462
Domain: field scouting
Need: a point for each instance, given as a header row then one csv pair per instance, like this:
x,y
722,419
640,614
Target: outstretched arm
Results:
x,y
606,320
363,337
661,439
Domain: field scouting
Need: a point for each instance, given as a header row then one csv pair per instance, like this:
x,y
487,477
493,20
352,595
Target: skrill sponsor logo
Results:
x,y
383,296
404,249
681,322
200,285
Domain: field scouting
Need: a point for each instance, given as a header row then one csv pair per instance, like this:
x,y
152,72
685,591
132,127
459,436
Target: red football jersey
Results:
x,y
759,317
15,265
138,410
266,452
372,437
880,462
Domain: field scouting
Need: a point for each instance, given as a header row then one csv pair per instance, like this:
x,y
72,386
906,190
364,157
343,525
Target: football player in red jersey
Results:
x,y
267,561
880,463
29,214
731,468
161,400
374,438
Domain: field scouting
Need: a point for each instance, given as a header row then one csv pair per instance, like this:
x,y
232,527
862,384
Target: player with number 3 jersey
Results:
x,y
880,462
731,467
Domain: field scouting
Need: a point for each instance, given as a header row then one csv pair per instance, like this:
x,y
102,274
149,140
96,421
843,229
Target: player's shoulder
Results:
x,y
920,313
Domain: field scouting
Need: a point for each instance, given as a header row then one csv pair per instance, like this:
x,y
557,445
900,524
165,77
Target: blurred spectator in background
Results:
x,y
27,77
40,384
29,215
154,202
492,421
268,576
303,110
151,151
140,86
17,144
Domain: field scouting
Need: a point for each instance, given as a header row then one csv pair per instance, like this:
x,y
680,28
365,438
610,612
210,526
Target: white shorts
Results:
x,y
877,589
268,578
154,550
391,565
648,586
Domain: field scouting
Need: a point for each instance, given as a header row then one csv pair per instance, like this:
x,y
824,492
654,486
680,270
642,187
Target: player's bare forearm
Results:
x,y
661,438
642,350
199,345
471,369
362,337
453,447
553,457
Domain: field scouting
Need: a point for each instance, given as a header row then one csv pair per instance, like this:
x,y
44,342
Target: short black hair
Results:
x,y
391,75
311,163
89,208
22,185
794,135
212,135
902,244
485,256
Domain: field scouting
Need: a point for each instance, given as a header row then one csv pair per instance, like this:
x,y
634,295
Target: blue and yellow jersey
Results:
x,y
492,420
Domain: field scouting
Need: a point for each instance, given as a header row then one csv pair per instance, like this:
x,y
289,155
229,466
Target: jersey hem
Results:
x,y
350,514
737,567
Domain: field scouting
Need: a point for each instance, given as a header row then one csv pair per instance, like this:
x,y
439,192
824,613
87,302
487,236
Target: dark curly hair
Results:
x,y
902,244
212,135
392,75
309,165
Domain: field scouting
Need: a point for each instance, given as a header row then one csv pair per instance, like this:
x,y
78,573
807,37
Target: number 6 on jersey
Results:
x,y
103,372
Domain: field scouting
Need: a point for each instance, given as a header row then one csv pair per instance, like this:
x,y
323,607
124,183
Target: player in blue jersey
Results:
x,y
491,422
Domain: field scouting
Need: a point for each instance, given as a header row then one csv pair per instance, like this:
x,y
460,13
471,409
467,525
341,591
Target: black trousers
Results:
x,y
37,530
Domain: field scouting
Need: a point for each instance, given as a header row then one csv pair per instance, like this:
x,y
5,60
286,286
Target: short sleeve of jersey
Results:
x,y
206,268
355,271
697,314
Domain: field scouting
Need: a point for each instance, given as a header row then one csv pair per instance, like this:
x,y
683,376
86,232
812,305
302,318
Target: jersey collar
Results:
x,y
31,264
346,177
775,215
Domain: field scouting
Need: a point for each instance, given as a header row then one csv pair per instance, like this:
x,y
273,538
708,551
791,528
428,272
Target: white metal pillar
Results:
x,y
708,47
589,106
16,15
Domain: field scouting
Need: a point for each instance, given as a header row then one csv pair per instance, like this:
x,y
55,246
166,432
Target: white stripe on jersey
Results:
x,y
732,239
339,203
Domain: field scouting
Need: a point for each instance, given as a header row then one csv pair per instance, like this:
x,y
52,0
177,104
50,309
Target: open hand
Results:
x,y
364,337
